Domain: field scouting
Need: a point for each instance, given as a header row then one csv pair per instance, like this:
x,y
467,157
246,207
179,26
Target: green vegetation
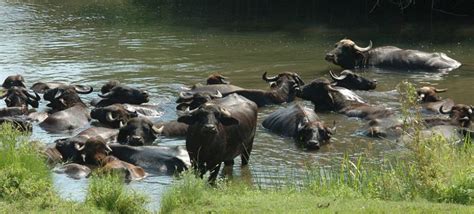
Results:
x,y
26,183
425,177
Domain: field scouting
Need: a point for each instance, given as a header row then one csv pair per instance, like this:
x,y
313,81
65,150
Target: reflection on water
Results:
x,y
49,42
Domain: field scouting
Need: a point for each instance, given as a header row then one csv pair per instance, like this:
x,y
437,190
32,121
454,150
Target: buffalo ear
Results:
x,y
187,119
228,121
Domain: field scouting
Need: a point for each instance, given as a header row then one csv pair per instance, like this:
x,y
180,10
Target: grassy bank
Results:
x,y
431,175
26,184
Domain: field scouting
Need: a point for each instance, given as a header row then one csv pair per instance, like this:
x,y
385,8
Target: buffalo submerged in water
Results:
x,y
349,55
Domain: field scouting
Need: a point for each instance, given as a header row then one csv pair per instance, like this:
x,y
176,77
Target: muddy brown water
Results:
x,y
49,41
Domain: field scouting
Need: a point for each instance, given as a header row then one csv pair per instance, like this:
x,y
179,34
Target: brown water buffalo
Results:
x,y
96,151
216,79
349,55
114,116
69,112
14,80
328,98
218,131
138,131
17,96
352,81
300,123
42,87
430,101
122,94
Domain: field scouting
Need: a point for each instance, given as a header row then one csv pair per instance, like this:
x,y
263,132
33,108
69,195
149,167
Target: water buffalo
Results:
x,y
96,151
138,131
65,96
349,55
17,96
300,123
352,81
14,80
459,115
114,116
122,94
219,131
42,87
341,100
216,79
173,129
69,112
430,101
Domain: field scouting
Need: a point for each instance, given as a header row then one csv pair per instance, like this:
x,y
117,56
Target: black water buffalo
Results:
x,y
121,94
114,116
42,87
138,131
14,80
17,96
341,100
352,81
65,96
69,112
459,115
218,131
300,123
348,55
430,101
173,129
216,79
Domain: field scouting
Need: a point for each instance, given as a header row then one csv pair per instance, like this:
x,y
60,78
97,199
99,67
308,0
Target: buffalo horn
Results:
x,y
217,95
363,49
441,110
471,110
298,79
106,95
4,94
440,90
58,94
331,89
269,79
36,97
83,89
225,113
121,124
187,111
185,96
335,77
107,147
79,147
157,130
110,117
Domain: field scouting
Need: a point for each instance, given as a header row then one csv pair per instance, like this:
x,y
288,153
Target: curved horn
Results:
x,y
106,95
36,97
335,77
157,130
440,90
107,148
217,95
331,89
185,95
58,94
224,112
188,112
298,79
110,117
364,49
80,89
269,79
79,147
441,110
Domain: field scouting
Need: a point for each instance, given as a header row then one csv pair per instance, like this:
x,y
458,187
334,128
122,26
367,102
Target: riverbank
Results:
x,y
26,184
431,175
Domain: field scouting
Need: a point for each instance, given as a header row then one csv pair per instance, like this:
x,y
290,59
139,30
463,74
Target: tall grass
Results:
x,y
429,169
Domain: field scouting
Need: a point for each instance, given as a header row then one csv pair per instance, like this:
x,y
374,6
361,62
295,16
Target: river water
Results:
x,y
91,42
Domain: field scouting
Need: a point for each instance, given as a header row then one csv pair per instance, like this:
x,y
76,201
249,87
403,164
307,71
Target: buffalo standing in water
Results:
x,y
300,123
219,131
348,55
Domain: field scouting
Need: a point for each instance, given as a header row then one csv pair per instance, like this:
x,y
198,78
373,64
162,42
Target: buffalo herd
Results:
x,y
218,119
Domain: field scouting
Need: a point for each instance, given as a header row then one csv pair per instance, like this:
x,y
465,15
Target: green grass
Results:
x,y
431,175
26,183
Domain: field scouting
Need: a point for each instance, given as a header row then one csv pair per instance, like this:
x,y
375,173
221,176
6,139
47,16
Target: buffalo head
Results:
x,y
350,80
216,79
14,80
108,86
19,97
209,118
138,131
93,151
460,113
123,94
64,97
429,94
347,54
194,100
290,78
312,135
114,115
321,93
